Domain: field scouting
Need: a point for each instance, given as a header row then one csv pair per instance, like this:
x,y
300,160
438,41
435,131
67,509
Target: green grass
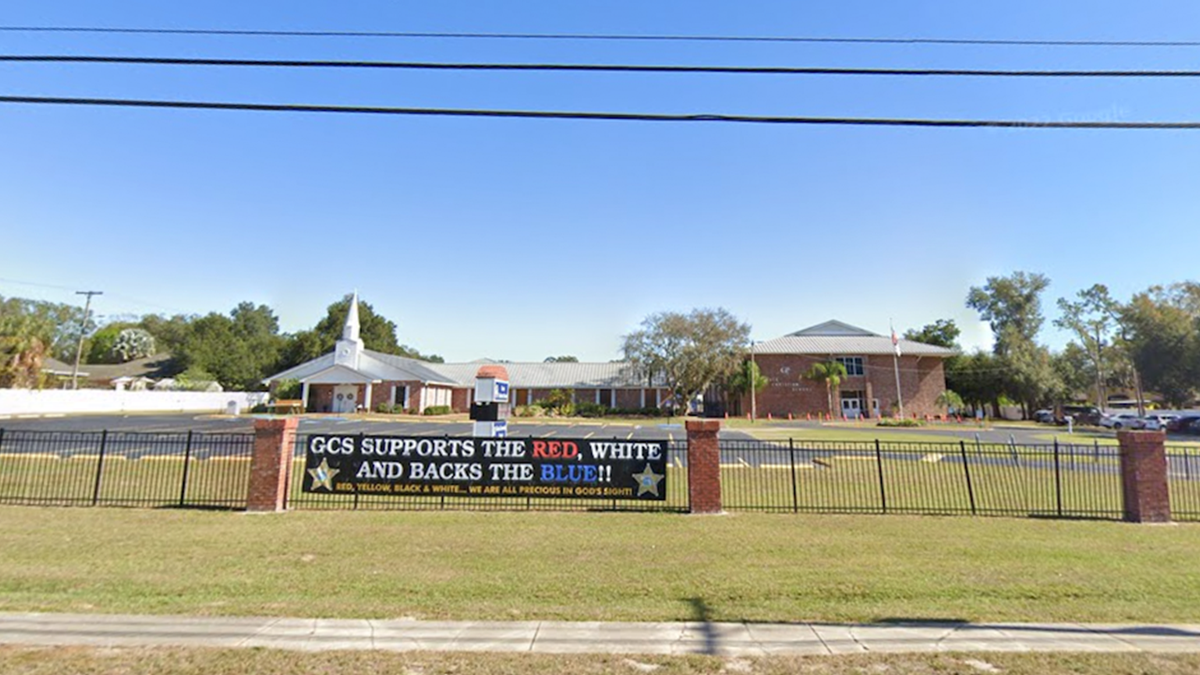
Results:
x,y
589,566
180,661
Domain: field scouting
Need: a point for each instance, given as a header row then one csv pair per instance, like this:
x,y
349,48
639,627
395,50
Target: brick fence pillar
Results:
x,y
704,466
1144,476
271,464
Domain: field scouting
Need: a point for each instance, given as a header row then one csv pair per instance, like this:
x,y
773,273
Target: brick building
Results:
x,y
352,377
869,388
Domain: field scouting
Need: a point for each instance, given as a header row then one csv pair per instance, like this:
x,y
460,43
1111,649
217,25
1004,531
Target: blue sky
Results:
x,y
521,239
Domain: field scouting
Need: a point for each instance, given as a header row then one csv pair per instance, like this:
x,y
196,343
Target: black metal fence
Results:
x,y
1183,480
1053,480
103,468
212,471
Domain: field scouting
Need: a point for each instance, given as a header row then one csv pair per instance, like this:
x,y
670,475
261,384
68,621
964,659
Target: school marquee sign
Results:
x,y
483,467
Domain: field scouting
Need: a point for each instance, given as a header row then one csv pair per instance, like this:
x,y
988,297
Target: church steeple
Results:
x,y
350,345
350,331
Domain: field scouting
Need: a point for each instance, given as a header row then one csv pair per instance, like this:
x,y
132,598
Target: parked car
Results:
x,y
1158,421
1122,421
1082,414
1181,423
1044,416
1193,427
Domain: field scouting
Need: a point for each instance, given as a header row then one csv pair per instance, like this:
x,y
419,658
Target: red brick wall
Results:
x,y
460,399
704,466
320,397
1144,476
921,380
271,463
630,398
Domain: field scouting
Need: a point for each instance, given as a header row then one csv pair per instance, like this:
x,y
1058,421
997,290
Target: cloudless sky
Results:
x,y
521,239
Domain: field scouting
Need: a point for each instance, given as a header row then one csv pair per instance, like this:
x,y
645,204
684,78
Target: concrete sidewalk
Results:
x,y
557,637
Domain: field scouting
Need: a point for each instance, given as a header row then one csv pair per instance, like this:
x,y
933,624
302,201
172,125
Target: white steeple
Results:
x,y
350,345
350,331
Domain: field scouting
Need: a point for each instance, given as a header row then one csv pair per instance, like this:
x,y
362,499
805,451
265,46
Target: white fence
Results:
x,y
66,401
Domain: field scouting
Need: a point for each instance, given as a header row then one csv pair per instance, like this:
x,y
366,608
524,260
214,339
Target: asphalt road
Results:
x,y
753,454
340,425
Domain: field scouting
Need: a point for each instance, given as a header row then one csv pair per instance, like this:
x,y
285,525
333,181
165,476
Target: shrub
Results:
x,y
289,389
438,410
529,411
385,408
588,409
649,411
259,409
898,423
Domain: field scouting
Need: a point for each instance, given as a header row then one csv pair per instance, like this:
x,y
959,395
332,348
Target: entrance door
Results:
x,y
344,398
851,408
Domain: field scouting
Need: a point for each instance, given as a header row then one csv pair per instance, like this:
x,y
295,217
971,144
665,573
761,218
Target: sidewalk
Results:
x,y
560,637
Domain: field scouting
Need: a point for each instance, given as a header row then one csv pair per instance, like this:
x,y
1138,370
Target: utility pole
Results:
x,y
87,308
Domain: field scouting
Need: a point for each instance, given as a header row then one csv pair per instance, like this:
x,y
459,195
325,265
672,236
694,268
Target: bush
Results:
x,y
260,409
649,411
588,409
386,408
529,411
289,389
898,423
438,410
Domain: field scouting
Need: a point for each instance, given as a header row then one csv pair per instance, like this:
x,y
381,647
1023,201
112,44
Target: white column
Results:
x,y
367,402
304,395
643,395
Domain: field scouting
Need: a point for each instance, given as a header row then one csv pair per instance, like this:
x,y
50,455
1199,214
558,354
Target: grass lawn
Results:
x,y
92,661
595,566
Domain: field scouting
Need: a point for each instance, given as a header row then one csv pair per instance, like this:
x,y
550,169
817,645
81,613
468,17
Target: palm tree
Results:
x,y
949,400
831,373
23,343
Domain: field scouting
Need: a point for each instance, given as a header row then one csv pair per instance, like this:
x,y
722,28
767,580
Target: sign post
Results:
x,y
490,407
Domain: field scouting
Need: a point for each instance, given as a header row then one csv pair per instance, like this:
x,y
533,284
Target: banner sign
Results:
x,y
486,467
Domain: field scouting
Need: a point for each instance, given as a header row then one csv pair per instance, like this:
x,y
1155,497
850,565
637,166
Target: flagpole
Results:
x,y
896,368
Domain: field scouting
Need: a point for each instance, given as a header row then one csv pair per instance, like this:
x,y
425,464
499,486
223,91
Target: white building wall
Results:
x,y
14,402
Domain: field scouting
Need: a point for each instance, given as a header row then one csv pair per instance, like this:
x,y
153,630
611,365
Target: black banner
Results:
x,y
486,467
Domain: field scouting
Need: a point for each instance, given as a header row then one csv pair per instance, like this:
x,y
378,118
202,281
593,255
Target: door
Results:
x,y
851,408
345,398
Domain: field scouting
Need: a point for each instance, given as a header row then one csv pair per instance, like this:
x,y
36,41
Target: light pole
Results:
x,y
87,308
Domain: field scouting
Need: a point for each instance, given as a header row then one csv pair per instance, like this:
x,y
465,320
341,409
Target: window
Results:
x,y
853,364
400,395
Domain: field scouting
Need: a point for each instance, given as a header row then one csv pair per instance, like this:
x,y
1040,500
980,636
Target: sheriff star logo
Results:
x,y
322,476
648,481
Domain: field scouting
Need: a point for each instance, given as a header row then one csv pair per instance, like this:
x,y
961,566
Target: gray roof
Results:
x,y
540,375
834,338
55,367
157,366
389,367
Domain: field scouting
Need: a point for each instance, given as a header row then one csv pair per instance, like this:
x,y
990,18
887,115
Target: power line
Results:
x,y
589,67
126,298
601,116
603,37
